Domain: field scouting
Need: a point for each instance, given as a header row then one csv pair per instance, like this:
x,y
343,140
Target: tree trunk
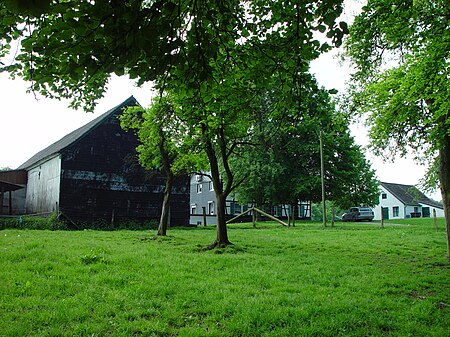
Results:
x,y
259,204
165,213
294,208
222,233
333,212
221,195
444,177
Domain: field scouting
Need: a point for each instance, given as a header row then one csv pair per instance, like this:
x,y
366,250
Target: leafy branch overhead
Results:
x,y
70,49
401,50
213,59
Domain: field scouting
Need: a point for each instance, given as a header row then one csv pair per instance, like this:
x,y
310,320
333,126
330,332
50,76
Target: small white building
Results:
x,y
399,201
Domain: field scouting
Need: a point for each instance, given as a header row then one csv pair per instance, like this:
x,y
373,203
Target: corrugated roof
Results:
x,y
75,135
410,195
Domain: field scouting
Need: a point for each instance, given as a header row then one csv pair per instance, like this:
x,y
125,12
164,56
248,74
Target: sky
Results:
x,y
29,124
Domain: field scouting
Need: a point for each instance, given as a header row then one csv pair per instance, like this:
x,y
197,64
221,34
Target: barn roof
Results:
x,y
409,195
75,135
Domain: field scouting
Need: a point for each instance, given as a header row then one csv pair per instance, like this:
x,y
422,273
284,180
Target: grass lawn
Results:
x,y
354,280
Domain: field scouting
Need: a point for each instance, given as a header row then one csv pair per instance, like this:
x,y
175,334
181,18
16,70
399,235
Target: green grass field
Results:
x,y
354,280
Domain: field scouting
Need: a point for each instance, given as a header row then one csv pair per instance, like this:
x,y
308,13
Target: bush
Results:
x,y
52,222
130,224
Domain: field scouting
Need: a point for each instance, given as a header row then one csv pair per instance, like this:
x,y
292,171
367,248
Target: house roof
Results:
x,y
75,135
409,195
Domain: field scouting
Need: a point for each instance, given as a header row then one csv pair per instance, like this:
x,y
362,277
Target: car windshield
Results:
x,y
366,209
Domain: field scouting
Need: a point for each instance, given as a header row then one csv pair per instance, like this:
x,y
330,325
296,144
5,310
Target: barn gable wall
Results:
x,y
42,193
102,179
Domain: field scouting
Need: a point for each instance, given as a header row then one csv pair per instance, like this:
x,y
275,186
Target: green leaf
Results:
x,y
344,27
333,91
321,28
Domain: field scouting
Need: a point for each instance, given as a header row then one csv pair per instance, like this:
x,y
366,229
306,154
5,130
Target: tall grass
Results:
x,y
353,280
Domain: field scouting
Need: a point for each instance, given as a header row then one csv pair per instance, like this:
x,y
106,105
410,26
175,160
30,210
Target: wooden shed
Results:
x,y
12,192
93,173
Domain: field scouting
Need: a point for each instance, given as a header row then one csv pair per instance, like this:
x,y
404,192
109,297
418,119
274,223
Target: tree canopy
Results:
x,y
214,57
401,50
69,49
282,163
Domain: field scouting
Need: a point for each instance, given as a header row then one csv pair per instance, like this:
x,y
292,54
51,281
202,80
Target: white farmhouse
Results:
x,y
405,201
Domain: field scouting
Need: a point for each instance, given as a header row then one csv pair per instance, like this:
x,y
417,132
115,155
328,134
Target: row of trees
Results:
x,y
214,58
282,163
218,59
270,158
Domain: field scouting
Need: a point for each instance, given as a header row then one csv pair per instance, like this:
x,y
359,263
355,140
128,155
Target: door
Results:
x,y
385,213
426,212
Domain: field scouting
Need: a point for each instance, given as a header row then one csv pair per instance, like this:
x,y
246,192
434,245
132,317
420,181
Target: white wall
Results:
x,y
389,202
43,187
439,211
404,210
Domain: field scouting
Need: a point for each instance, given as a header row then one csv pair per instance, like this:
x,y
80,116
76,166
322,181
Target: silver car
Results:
x,y
358,214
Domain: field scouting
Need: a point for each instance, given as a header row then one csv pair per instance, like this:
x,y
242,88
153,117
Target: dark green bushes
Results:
x,y
53,222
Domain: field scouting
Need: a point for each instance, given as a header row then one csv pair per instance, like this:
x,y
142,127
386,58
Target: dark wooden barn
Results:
x,y
93,173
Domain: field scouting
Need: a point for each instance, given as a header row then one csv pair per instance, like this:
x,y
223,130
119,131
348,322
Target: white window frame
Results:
x,y
211,207
395,211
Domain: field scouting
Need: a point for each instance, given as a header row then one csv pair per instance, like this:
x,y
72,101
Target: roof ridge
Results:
x,y
73,136
405,194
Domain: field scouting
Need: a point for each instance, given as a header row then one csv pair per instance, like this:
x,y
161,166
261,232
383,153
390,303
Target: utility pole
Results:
x,y
322,177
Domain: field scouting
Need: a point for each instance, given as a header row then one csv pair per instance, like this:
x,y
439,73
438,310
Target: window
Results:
x,y
211,207
211,186
199,188
237,209
395,211
278,210
193,209
383,196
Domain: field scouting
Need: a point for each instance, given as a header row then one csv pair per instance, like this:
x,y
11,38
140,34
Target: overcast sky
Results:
x,y
28,125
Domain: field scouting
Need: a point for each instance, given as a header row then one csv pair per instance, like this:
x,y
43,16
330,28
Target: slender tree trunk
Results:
x,y
167,164
258,204
221,195
444,177
222,232
333,213
294,208
165,213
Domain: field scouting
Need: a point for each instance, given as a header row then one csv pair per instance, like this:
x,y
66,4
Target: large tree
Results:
x,y
207,53
282,162
401,52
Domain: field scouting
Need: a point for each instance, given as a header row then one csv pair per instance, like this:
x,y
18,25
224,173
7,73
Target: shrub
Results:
x,y
52,222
